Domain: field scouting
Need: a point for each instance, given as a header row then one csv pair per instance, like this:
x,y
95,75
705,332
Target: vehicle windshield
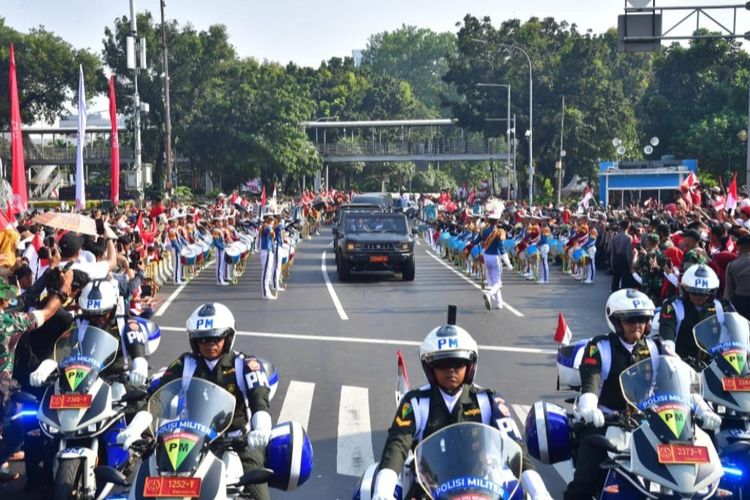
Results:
x,y
727,342
200,407
662,387
82,354
380,224
468,460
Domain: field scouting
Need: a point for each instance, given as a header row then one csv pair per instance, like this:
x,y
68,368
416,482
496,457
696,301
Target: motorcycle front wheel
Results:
x,y
69,480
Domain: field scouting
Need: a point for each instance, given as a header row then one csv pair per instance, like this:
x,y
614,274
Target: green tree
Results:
x,y
418,56
47,72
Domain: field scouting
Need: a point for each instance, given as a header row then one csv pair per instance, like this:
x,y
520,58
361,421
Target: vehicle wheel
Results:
x,y
69,480
344,269
409,270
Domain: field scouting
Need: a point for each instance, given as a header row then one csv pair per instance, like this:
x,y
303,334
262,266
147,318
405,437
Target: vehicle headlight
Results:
x,y
350,247
405,247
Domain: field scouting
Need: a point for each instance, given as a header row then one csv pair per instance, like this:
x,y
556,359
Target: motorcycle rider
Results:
x,y
449,360
629,313
98,304
680,314
211,331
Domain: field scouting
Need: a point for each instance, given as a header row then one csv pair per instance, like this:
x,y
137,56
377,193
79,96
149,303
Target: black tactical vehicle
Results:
x,y
374,242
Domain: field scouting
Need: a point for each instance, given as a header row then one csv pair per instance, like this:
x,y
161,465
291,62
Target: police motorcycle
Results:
x,y
441,465
726,383
83,413
655,448
188,415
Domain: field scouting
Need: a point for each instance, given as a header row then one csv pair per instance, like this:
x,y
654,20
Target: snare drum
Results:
x,y
232,254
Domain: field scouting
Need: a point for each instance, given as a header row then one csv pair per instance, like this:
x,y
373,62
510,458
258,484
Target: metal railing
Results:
x,y
66,154
434,147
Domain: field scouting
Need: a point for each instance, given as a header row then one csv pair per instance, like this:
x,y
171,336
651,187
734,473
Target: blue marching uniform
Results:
x,y
220,259
544,252
266,260
493,250
278,242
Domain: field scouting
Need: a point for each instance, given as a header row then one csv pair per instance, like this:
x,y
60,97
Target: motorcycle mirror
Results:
x,y
133,395
601,442
255,476
23,398
106,474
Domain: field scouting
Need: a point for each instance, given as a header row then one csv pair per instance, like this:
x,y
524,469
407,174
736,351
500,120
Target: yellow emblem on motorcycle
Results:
x,y
674,417
75,375
736,358
178,446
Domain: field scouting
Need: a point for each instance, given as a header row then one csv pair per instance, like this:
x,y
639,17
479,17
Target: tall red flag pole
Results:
x,y
20,194
114,189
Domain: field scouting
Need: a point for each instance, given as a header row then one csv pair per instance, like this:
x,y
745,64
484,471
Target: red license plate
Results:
x,y
172,487
69,401
379,258
736,384
682,454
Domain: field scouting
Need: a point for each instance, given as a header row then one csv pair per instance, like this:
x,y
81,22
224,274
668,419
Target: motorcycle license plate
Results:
x,y
379,258
682,454
156,487
736,384
69,401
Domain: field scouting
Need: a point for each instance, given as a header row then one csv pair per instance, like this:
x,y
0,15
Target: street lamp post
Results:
x,y
507,125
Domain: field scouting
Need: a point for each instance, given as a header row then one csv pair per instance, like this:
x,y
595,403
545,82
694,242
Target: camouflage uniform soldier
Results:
x,y
650,267
694,254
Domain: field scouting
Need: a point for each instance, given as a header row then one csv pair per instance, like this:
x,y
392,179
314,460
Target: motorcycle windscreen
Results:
x,y
187,416
468,460
81,355
661,388
727,343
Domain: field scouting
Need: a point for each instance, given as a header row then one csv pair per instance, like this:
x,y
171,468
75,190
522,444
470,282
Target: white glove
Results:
x,y
138,371
41,374
669,347
261,433
710,421
534,486
588,409
132,432
385,485
506,260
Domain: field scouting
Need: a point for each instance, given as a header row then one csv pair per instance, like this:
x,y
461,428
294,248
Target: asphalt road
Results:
x,y
338,376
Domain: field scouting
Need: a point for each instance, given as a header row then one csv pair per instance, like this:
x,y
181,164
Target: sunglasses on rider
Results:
x,y
636,320
210,340
447,364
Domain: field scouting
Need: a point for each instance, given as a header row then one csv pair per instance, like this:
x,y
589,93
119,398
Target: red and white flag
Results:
x,y
732,197
690,181
563,335
402,382
20,193
587,197
263,199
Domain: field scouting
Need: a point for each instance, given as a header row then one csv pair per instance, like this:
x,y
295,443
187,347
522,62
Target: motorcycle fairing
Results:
x,y
713,390
72,420
210,471
618,488
683,478
179,449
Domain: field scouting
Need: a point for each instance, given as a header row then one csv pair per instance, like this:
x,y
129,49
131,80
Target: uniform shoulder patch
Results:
x,y
253,364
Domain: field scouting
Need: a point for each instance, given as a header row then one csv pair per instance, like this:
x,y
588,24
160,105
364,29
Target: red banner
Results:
x,y
20,194
114,189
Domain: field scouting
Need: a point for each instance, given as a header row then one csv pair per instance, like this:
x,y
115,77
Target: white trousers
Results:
x,y
177,269
544,267
494,277
266,272
220,266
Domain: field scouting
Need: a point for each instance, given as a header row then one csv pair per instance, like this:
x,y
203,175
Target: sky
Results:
x,y
303,31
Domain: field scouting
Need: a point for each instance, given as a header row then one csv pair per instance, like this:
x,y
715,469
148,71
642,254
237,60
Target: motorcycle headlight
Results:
x,y
404,247
350,247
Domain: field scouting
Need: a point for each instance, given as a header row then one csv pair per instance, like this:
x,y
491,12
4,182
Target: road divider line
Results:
x,y
354,443
297,403
565,469
471,282
364,340
331,291
179,289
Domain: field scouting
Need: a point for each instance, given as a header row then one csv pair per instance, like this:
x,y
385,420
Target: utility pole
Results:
x,y
562,155
747,164
132,57
167,115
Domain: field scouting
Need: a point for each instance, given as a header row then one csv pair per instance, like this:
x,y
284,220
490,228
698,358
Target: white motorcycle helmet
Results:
x,y
448,342
700,279
211,320
98,298
628,303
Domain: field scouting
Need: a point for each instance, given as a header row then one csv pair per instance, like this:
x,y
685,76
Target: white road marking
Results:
x,y
297,403
565,469
354,442
469,281
174,295
331,291
364,340
417,242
